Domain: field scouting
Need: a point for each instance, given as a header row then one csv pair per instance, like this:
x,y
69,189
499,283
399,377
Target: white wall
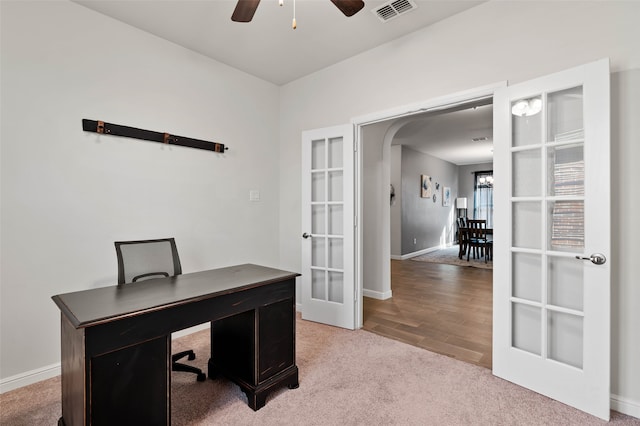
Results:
x,y
426,224
67,195
375,199
476,48
625,251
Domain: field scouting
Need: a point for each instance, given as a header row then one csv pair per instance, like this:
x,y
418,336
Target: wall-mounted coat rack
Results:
x,y
148,135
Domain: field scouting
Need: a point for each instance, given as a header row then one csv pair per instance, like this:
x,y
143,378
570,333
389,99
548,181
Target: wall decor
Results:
x,y
103,127
425,186
446,196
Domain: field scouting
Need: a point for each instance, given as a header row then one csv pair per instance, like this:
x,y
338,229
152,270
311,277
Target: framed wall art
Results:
x,y
446,196
426,190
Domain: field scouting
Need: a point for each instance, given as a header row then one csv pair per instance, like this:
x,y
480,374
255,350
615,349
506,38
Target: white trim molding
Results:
x,y
380,295
625,406
420,252
30,377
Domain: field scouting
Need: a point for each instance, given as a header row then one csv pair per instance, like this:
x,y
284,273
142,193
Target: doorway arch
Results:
x,y
372,180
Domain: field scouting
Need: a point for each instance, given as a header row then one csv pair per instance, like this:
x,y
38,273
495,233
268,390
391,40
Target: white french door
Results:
x,y
328,220
551,267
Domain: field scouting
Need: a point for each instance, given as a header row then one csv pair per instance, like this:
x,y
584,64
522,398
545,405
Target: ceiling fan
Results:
x,y
245,9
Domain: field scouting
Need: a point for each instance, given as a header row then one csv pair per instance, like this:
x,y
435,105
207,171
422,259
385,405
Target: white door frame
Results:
x,y
434,104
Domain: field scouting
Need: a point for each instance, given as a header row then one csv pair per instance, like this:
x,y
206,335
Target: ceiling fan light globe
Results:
x,y
520,108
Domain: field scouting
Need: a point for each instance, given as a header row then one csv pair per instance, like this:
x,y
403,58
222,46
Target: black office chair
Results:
x,y
141,260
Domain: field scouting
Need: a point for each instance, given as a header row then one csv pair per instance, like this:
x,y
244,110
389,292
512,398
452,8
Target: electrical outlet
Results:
x,y
254,195
415,241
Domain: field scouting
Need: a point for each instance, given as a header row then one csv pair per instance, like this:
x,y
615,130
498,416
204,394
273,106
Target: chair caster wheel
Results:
x,y
192,356
202,377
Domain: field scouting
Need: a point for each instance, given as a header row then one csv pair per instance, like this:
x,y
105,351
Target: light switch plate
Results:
x,y
254,195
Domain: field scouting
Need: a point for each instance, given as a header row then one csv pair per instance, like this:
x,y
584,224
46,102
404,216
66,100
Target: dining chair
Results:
x,y
479,243
148,259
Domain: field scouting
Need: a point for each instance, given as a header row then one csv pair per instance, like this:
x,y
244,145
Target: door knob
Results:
x,y
596,258
305,235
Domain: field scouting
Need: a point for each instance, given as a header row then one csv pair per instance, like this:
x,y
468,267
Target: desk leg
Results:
x,y
257,397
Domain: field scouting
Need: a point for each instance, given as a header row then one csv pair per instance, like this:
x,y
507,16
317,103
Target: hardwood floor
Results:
x,y
443,308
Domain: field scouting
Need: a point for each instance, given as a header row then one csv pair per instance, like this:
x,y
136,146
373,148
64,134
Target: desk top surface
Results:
x,y
95,306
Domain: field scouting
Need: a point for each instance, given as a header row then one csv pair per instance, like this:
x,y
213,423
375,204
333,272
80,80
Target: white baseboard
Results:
x,y
625,406
200,327
380,295
419,252
30,377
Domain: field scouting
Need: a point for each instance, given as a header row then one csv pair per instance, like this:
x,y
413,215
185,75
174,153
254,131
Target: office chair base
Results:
x,y
176,366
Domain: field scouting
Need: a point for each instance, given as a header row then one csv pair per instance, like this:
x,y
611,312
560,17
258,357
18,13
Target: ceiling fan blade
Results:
x,y
349,7
245,10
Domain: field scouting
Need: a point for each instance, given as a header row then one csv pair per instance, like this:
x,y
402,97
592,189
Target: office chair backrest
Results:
x,y
139,260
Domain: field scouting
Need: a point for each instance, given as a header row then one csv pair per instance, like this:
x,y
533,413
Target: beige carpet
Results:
x,y
449,256
346,378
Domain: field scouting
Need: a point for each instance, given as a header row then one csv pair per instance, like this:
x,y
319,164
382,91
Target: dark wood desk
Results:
x,y
116,341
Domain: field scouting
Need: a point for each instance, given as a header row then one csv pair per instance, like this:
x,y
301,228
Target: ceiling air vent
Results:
x,y
393,9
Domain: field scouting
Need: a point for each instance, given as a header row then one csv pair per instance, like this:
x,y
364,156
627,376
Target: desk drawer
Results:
x,y
130,386
277,338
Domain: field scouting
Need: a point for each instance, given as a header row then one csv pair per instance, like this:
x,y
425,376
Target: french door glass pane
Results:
x,y
318,155
336,286
318,284
526,173
318,186
565,288
527,222
335,153
318,218
318,258
527,328
335,186
565,115
566,223
565,166
565,338
526,123
555,165
327,228
336,219
336,253
526,276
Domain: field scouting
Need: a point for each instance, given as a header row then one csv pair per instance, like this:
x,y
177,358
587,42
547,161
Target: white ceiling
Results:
x,y
268,48
449,135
